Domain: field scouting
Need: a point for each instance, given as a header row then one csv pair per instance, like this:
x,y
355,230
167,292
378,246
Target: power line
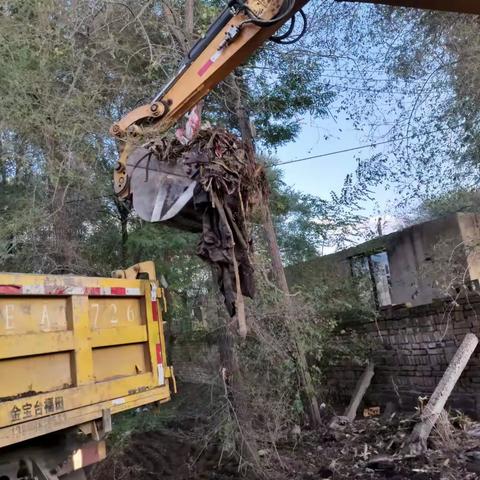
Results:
x,y
328,154
360,147
333,153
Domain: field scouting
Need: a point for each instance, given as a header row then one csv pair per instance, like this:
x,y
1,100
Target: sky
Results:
x,y
343,75
320,176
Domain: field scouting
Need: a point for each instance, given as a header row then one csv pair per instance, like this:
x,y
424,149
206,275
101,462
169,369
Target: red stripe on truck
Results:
x,y
155,311
159,353
93,291
54,291
118,291
10,289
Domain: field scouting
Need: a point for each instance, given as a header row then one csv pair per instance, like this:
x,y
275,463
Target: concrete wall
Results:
x,y
411,348
417,256
424,259
469,229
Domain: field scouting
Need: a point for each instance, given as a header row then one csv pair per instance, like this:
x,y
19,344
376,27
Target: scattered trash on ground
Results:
x,y
366,449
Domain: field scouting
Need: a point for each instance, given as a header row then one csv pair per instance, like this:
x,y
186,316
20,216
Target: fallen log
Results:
x,y
358,394
436,404
360,390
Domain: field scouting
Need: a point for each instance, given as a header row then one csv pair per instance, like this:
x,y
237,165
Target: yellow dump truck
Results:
x,y
73,352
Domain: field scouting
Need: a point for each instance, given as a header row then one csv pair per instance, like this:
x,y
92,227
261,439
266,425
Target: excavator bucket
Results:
x,y
162,186
162,191
207,185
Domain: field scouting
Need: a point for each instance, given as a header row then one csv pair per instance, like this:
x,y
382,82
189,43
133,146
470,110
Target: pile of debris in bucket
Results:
x,y
209,186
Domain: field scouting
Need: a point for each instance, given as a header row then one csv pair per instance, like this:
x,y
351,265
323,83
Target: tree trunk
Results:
x,y
64,242
243,117
3,167
63,248
275,256
276,259
189,22
235,391
123,213
281,281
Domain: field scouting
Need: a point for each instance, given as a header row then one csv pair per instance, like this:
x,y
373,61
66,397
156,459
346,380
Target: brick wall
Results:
x,y
411,348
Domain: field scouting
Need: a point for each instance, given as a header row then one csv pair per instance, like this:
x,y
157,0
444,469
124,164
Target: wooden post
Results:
x,y
236,394
436,404
362,386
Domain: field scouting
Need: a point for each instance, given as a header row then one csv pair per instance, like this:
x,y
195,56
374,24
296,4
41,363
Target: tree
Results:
x,y
446,203
62,75
410,81
67,70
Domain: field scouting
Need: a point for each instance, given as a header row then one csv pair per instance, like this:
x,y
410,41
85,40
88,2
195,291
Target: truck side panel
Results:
x,y
73,346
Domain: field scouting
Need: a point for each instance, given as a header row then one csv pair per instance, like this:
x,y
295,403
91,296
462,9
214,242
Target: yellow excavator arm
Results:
x,y
242,27
239,30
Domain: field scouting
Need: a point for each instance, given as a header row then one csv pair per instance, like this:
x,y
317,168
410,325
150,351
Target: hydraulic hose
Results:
x,y
285,38
285,11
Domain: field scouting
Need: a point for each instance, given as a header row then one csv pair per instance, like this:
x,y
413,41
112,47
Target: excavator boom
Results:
x,y
240,29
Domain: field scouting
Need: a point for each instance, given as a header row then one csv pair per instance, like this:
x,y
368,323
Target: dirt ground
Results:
x,y
164,455
160,455
370,449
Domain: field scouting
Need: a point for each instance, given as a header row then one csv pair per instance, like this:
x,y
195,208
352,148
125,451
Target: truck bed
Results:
x,y
74,348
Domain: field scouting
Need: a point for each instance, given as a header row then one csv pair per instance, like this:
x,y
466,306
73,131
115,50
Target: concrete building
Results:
x,y
424,282
413,266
